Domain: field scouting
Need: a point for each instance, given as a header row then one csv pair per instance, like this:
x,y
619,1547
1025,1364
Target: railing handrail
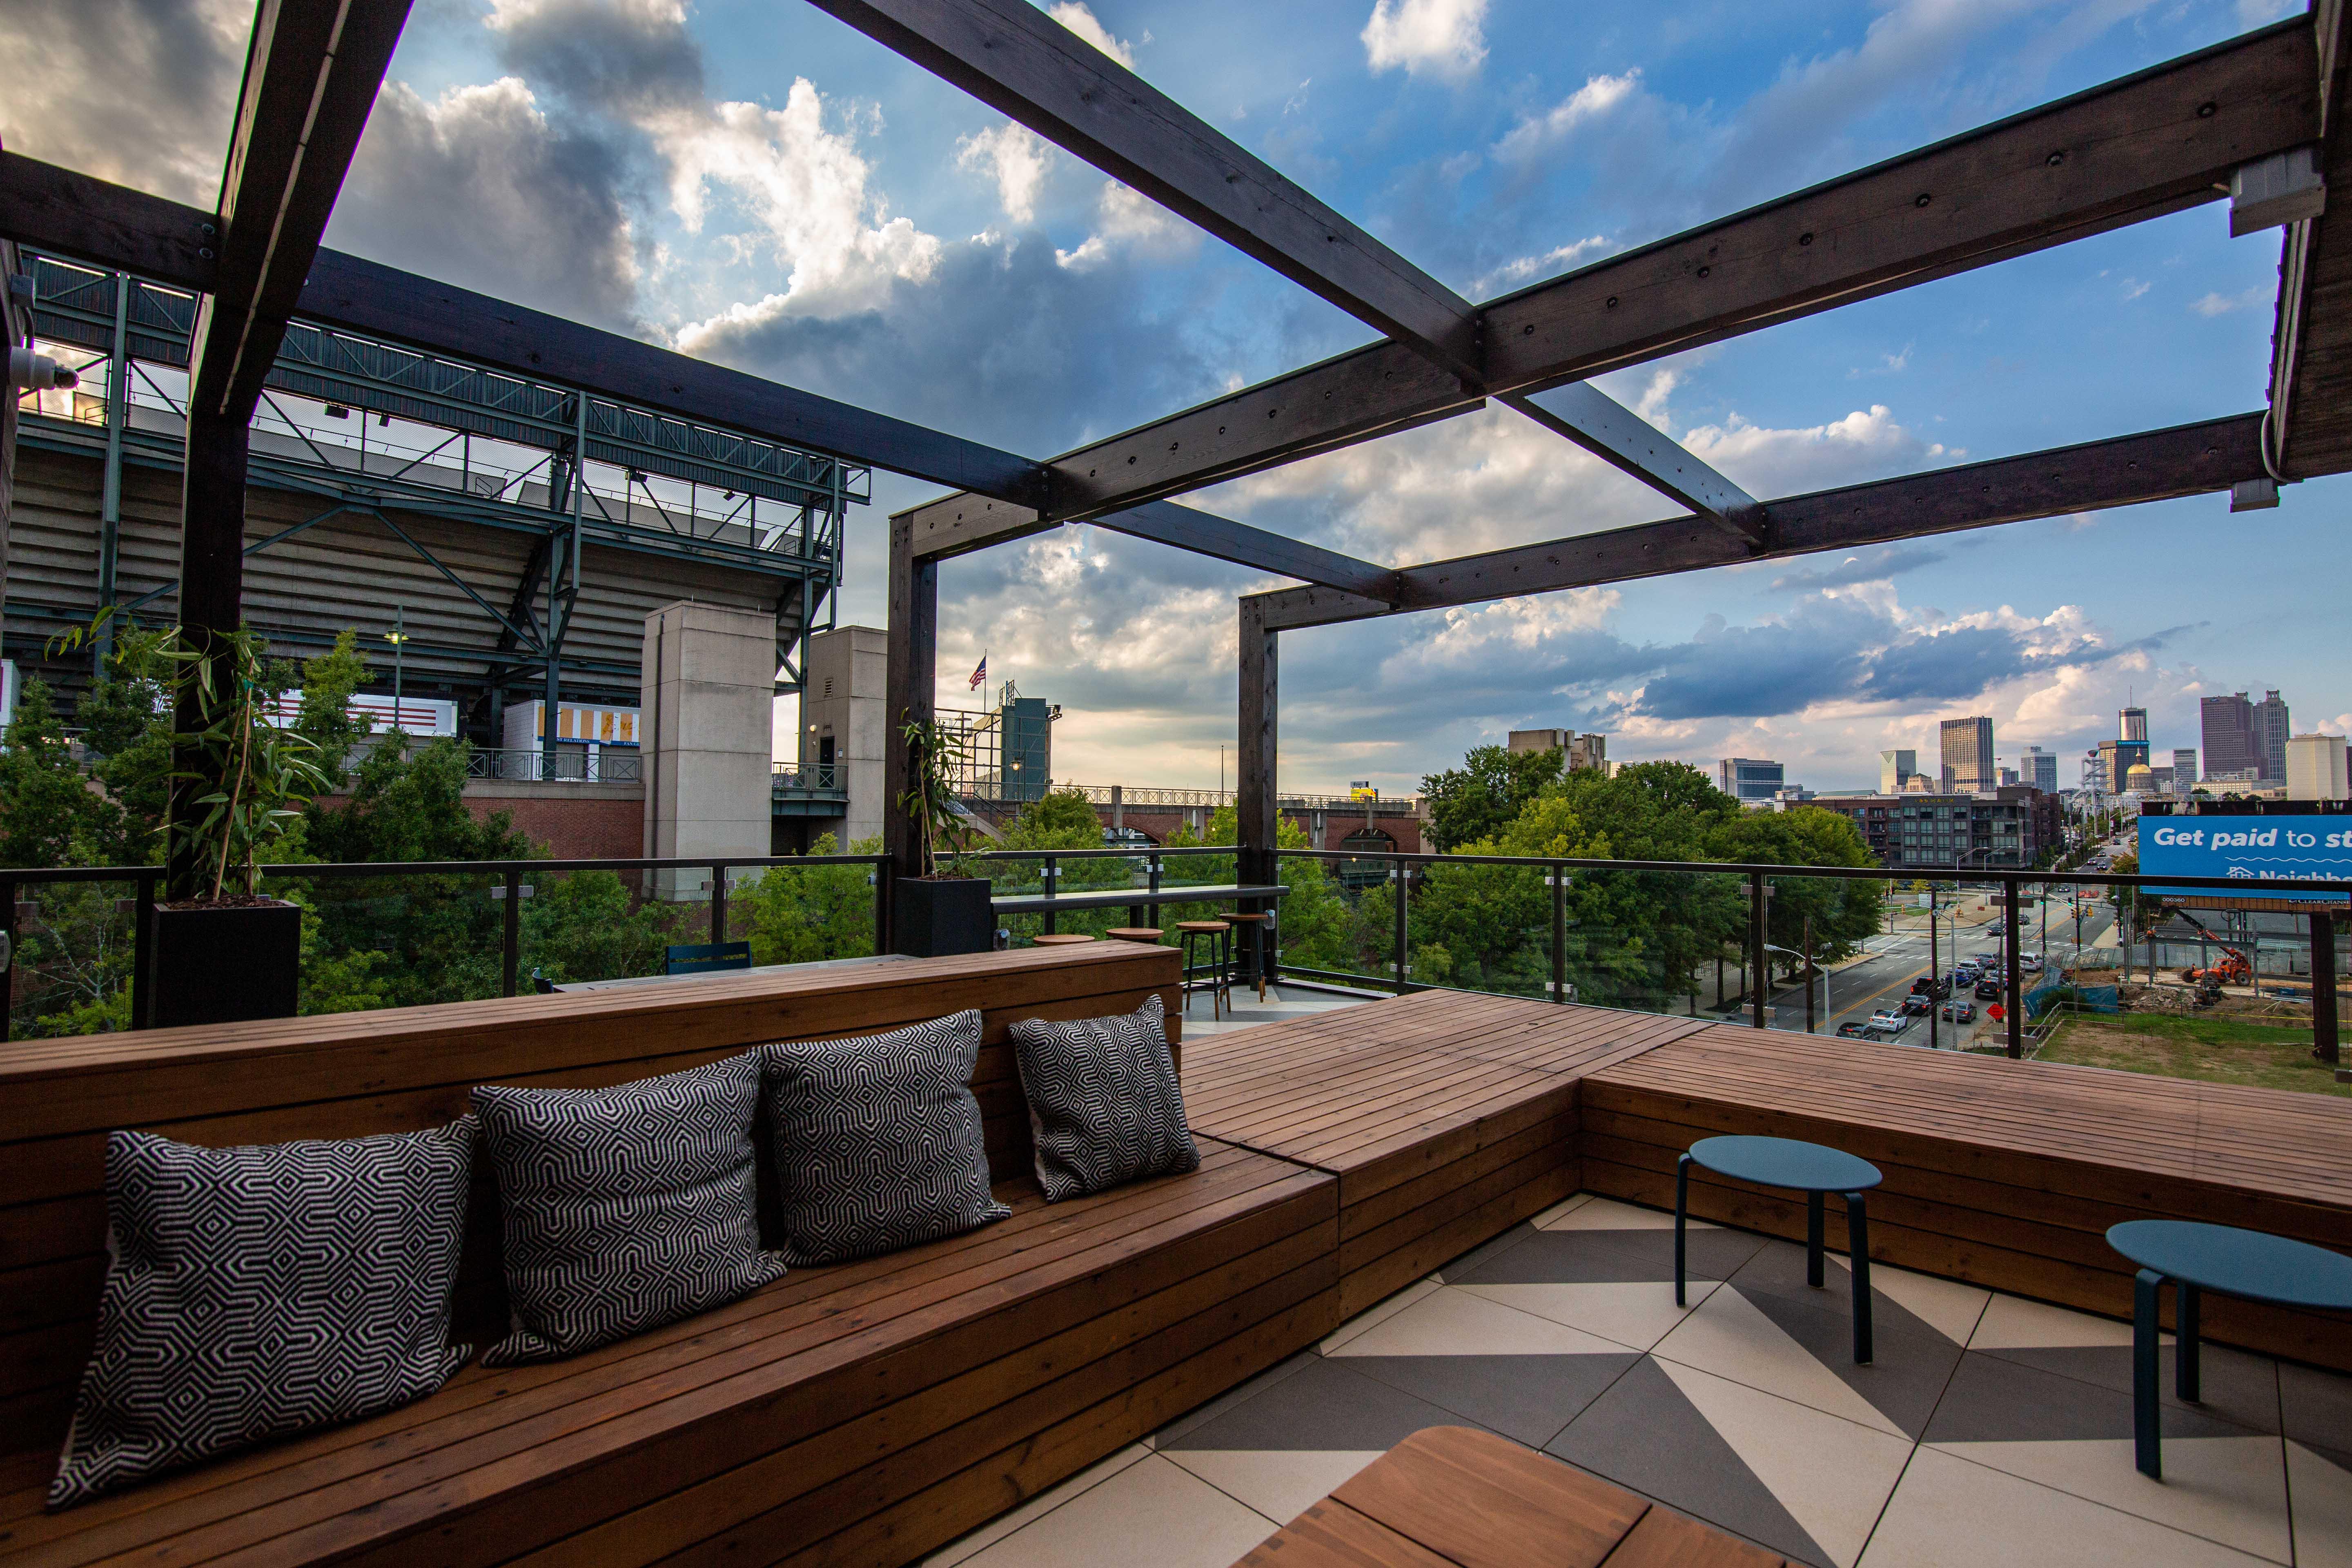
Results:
x,y
37,875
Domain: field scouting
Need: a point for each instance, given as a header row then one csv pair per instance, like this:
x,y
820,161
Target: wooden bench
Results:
x,y
861,1414
1450,1495
1446,1118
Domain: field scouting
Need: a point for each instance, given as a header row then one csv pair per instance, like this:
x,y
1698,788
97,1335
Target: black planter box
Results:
x,y
224,963
934,918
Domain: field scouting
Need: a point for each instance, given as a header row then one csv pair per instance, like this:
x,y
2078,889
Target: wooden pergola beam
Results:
x,y
958,525
2159,141
2187,459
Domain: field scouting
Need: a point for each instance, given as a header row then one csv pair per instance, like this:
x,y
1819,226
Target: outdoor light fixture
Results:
x,y
337,411
383,420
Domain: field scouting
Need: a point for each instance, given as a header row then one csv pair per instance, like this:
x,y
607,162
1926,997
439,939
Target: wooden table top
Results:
x,y
1449,1495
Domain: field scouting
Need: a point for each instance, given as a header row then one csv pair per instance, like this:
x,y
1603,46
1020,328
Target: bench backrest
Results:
x,y
348,1075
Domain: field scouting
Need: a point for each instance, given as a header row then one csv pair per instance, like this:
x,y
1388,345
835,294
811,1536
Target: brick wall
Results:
x,y
573,821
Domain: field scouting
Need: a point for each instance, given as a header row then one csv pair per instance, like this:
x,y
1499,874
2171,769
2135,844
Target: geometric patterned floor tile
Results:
x,y
1733,1337
2236,1387
1232,1398
2228,1490
2012,1322
1608,1214
1910,1361
1633,1313
2320,1490
1151,1511
2316,1410
1602,1257
1450,1320
1280,1483
1952,1308
1528,1398
1832,1475
1376,1313
1993,1399
1327,1406
1950,1513
1646,1435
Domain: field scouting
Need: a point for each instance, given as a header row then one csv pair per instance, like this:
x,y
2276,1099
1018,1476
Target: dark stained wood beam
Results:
x,y
910,679
2187,459
958,525
1255,817
112,226
1617,436
2310,340
2155,143
1015,58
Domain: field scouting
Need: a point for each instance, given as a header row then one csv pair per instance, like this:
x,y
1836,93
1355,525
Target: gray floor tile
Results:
x,y
1477,1256
1993,1399
2316,1410
1325,1405
1603,1257
1910,1365
1233,1396
1644,1435
2238,1387
1529,1398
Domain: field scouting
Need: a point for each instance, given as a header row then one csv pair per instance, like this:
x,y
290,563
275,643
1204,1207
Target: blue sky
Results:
x,y
758,184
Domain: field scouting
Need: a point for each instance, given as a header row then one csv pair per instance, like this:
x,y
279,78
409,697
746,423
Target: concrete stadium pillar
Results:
x,y
709,708
844,713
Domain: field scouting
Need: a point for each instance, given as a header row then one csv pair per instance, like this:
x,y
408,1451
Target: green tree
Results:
x,y
802,914
587,925
50,812
1486,793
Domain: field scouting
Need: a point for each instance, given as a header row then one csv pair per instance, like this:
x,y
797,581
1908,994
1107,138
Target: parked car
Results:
x,y
1894,1021
1960,1011
1927,985
1987,990
2030,963
1850,1030
1965,975
1916,1005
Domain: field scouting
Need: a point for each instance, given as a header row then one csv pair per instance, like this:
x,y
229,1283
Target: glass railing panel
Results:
x,y
1337,920
805,914
71,974
1479,928
1658,942
397,940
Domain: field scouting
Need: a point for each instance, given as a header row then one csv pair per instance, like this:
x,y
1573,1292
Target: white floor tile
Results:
x,y
1280,1483
1730,1337
2011,1322
1950,1513
1607,1214
1045,1502
2320,1493
1636,1314
1151,1514
2229,1490
1452,1320
1377,1313
1831,1476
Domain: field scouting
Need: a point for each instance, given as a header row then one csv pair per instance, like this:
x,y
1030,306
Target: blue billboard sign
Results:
x,y
2252,849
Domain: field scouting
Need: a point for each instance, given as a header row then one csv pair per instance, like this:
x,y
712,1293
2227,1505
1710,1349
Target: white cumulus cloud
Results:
x,y
1443,39
1075,16
1018,158
1540,133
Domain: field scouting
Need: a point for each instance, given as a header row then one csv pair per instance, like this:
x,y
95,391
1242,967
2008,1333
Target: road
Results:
x,y
1880,979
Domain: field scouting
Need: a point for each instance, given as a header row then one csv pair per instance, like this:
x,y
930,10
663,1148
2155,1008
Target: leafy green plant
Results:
x,y
935,755
253,776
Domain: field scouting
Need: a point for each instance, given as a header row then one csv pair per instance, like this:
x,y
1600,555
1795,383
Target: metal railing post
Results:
x,y
1396,870
1559,879
2012,984
142,951
7,959
2324,1044
1153,887
718,902
511,941
879,874
1050,875
1758,892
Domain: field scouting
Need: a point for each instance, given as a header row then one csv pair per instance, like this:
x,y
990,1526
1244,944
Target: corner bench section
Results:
x,y
2006,1174
1447,1117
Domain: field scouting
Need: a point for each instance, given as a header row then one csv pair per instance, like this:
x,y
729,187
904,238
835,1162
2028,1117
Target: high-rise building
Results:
x,y
2038,768
2316,768
1586,751
1968,754
2271,732
2007,778
2184,769
2116,760
2226,726
1749,779
2131,724
1895,770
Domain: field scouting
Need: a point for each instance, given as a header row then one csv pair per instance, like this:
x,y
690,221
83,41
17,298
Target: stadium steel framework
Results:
x,y
2255,119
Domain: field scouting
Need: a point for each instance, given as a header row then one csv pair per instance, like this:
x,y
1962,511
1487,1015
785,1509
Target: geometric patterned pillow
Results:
x,y
1103,1103
621,1209
253,1292
878,1140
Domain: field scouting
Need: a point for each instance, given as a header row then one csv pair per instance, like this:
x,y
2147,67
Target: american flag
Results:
x,y
980,676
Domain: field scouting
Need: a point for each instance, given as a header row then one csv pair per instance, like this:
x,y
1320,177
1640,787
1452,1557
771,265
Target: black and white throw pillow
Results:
x,y
621,1209
1103,1103
253,1292
878,1140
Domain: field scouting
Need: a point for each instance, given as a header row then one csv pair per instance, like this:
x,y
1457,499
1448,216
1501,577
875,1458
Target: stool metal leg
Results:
x,y
1814,1228
1682,1214
2187,1302
1858,1243
2146,1434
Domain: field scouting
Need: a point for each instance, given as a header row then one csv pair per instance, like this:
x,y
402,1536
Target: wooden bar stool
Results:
x,y
1147,935
1251,940
1057,938
1215,976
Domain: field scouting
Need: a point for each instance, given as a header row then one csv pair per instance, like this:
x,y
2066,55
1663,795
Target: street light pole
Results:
x,y
398,638
1935,969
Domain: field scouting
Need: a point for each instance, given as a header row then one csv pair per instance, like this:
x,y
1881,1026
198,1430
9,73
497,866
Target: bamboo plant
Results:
x,y
935,756
239,780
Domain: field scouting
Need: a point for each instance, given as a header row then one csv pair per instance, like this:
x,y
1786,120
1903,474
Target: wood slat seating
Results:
x,y
861,1414
1446,1118
2006,1174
